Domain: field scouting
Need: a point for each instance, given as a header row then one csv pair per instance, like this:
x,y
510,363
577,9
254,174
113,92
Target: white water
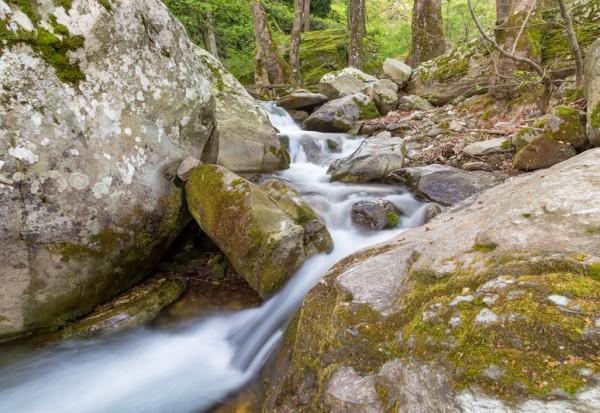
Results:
x,y
190,370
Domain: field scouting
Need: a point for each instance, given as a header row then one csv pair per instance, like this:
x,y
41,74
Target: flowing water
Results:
x,y
192,368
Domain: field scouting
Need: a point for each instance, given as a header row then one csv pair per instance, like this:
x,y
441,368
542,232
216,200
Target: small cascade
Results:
x,y
191,369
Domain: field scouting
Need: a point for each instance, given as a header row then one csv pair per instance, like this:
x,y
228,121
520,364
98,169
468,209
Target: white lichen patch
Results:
x,y
23,154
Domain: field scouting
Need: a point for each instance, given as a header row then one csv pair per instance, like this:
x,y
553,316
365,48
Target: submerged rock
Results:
x,y
398,71
131,309
265,233
302,100
444,184
345,82
339,115
374,160
375,215
382,321
90,143
592,92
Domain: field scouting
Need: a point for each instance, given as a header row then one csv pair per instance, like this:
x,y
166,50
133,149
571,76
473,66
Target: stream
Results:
x,y
190,369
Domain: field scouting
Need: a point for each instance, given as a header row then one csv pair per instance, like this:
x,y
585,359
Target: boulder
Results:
x,y
592,92
384,93
247,141
542,153
375,215
565,124
345,82
265,234
133,308
489,147
412,102
445,185
398,71
525,136
302,100
90,140
299,116
490,307
339,115
373,161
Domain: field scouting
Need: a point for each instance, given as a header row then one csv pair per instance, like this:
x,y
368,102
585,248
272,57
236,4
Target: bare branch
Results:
x,y
574,44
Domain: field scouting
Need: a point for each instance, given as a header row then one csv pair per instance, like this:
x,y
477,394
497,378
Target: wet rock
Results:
x,y
396,70
375,215
542,153
412,102
299,116
345,82
302,100
247,142
363,325
266,234
592,92
444,184
489,147
384,93
133,308
374,160
339,115
91,141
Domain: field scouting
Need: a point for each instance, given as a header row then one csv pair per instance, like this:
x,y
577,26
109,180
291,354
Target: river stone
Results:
x,y
396,70
247,142
133,308
412,102
339,115
542,153
444,184
88,197
375,215
374,160
261,233
592,92
489,147
345,82
302,100
363,323
384,93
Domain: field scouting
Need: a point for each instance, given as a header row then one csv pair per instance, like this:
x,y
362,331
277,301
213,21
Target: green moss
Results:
x,y
65,4
29,8
595,116
106,4
367,111
484,247
392,219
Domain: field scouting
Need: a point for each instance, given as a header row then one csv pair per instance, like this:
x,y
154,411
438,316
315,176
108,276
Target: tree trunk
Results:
x,y
356,21
295,75
306,16
211,37
428,39
517,24
574,44
269,69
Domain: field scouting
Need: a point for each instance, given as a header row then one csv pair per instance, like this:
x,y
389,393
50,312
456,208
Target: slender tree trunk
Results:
x,y
268,62
306,16
211,37
295,76
574,44
356,21
428,39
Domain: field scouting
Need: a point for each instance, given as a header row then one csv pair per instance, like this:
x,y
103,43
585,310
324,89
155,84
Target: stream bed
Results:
x,y
191,368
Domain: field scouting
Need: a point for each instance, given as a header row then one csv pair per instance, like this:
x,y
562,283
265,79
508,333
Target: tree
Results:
x,y
428,39
306,16
269,69
357,23
211,38
295,75
574,44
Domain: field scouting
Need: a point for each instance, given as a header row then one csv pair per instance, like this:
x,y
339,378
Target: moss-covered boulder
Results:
x,y
133,308
592,92
262,233
542,153
322,51
491,307
345,82
94,121
384,93
339,115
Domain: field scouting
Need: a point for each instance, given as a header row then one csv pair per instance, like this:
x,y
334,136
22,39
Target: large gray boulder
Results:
x,y
345,82
385,94
302,100
90,141
339,115
491,307
444,184
247,140
592,92
397,71
374,160
266,232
